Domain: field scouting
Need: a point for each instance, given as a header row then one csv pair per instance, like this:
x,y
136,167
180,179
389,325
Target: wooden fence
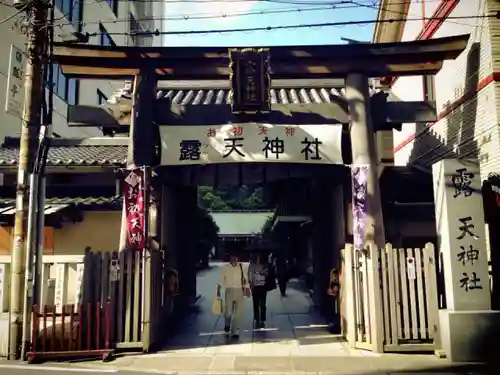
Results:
x,y
137,311
122,300
85,332
390,300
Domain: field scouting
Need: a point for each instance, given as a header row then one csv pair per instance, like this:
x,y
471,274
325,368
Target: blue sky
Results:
x,y
331,11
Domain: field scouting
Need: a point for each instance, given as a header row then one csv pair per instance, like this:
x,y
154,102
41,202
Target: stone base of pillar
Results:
x,y
470,336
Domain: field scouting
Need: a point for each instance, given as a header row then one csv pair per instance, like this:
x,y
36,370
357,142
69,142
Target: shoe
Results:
x,y
256,323
227,328
235,334
262,324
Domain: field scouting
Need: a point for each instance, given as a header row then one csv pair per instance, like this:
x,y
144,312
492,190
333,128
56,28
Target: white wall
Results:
x,y
471,128
93,13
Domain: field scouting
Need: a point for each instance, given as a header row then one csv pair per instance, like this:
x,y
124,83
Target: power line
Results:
x,y
298,26
205,16
285,2
12,16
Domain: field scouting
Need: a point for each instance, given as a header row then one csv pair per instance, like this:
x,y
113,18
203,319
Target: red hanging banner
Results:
x,y
133,193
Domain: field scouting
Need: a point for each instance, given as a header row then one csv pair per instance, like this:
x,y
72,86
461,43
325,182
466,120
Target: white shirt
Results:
x,y
230,276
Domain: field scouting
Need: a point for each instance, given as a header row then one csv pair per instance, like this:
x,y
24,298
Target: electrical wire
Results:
x,y
375,7
286,2
207,16
297,26
461,144
12,16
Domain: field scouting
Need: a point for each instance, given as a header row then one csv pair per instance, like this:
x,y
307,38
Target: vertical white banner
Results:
x,y
79,283
14,98
61,285
3,287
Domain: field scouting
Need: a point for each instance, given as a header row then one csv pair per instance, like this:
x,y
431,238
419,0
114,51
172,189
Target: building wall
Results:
x,y
94,13
99,229
467,93
467,125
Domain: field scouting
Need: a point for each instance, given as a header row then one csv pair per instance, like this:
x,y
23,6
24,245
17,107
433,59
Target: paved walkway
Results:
x,y
295,341
292,327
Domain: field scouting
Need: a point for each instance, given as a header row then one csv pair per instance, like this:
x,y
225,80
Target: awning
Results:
x,y
49,209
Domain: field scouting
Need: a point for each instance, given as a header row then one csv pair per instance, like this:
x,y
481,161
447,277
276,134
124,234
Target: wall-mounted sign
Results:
x,y
14,99
314,144
250,80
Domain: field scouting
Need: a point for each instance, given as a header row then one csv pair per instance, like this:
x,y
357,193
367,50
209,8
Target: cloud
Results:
x,y
217,9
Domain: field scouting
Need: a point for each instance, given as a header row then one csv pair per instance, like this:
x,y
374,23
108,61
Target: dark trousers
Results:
x,y
282,281
259,295
333,315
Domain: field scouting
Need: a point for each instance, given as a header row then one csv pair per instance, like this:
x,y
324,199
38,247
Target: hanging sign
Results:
x,y
250,80
14,98
134,206
253,142
359,176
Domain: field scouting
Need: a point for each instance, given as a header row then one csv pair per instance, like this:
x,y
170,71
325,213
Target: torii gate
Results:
x,y
355,63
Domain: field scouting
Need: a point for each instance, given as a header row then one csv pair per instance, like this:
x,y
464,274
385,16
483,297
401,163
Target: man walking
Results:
x,y
232,279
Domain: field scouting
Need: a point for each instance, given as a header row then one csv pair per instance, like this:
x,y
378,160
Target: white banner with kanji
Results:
x,y
257,143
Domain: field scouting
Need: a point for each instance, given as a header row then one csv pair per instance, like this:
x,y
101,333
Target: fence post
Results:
x,y
348,291
432,294
146,311
375,300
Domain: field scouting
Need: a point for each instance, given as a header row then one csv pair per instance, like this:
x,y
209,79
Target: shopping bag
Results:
x,y
247,292
217,306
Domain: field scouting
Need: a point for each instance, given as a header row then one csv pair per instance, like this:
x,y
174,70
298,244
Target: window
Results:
x,y
105,39
66,88
72,10
113,4
101,98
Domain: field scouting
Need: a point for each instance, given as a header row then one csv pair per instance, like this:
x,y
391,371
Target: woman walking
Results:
x,y
258,273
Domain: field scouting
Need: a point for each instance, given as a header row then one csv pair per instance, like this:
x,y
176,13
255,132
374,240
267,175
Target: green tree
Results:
x,y
245,197
209,200
208,232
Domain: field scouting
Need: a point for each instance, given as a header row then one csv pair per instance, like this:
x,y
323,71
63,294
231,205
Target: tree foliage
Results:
x,y
207,228
226,198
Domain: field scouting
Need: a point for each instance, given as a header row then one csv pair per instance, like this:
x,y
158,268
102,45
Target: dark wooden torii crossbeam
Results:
x,y
423,57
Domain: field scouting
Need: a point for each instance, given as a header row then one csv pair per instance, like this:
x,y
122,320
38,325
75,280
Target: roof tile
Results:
x,y
278,96
73,156
77,201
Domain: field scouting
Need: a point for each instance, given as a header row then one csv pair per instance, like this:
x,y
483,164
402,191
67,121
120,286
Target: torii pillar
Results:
x,y
364,152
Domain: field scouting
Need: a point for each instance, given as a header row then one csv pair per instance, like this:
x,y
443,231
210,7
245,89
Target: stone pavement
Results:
x,y
294,341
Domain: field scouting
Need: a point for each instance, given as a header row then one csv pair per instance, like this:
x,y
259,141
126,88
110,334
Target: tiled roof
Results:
x,y
278,96
217,92
240,223
76,201
70,155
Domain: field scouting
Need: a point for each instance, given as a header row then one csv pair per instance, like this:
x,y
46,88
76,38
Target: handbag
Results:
x,y
246,290
217,306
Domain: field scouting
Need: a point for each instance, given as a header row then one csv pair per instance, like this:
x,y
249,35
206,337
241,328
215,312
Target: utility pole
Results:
x,y
36,17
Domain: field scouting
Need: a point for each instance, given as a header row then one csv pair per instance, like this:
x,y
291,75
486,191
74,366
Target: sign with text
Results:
x,y
14,99
134,205
250,80
314,144
461,227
